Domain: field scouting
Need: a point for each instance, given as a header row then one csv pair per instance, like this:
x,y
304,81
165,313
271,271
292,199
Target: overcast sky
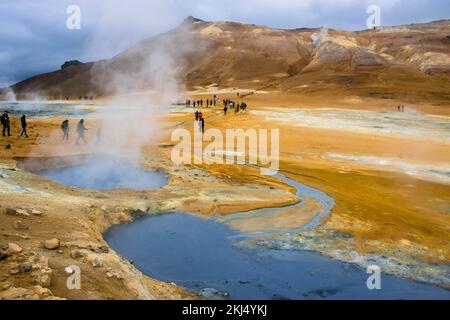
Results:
x,y
34,37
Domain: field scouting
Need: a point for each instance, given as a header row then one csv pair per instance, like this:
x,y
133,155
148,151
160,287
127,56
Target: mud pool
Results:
x,y
201,254
106,173
208,257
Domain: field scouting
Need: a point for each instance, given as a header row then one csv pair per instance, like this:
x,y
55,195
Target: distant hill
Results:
x,y
391,62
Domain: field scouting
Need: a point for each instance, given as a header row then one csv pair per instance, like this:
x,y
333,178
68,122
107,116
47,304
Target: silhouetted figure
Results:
x,y
202,125
23,122
4,119
80,130
196,115
65,130
225,109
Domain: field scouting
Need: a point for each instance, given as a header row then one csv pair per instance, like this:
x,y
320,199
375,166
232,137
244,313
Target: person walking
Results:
x,y
80,130
4,119
23,122
65,130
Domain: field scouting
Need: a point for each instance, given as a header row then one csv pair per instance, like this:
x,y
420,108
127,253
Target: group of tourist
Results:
x,y
227,103
199,103
81,129
6,125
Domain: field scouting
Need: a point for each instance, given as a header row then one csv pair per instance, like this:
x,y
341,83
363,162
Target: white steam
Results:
x,y
317,37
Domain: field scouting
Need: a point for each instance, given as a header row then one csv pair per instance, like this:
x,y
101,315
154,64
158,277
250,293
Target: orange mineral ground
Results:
x,y
335,105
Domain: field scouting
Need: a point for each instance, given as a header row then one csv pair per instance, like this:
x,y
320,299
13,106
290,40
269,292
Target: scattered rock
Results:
x,y
101,249
43,292
14,293
3,254
19,225
95,260
51,244
79,253
42,277
110,272
25,267
22,212
213,294
16,212
14,271
36,212
14,248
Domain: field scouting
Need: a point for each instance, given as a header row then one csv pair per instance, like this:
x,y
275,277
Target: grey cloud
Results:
x,y
34,37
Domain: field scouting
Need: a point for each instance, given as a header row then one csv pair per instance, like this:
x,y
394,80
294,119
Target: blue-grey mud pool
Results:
x,y
209,257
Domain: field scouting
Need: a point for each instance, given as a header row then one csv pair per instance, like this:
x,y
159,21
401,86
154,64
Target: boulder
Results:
x,y
14,248
25,267
19,225
51,244
36,212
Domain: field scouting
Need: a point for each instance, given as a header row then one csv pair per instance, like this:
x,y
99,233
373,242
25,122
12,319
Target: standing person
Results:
x,y
65,130
196,115
200,115
202,125
4,119
80,130
23,122
225,109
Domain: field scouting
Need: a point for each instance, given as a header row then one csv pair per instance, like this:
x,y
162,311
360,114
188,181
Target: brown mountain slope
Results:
x,y
405,62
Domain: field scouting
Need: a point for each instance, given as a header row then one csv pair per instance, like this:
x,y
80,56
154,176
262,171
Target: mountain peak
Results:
x,y
191,19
